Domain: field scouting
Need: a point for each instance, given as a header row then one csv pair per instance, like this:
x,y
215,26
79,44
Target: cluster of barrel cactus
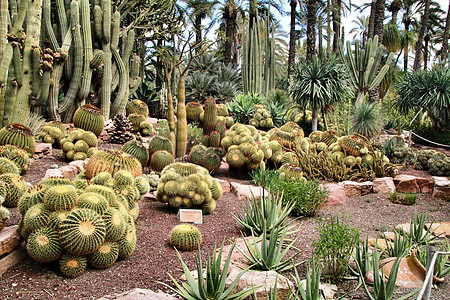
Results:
x,y
4,212
207,157
79,226
261,118
12,187
13,160
185,237
304,119
137,149
78,145
437,163
188,185
152,179
52,133
160,150
244,148
137,113
112,162
19,136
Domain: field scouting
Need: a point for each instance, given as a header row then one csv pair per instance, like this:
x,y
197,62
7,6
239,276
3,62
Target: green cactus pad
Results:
x,y
61,197
72,265
43,245
82,232
105,256
185,237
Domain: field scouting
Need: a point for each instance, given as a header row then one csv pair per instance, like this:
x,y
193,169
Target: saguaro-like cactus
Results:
x,y
363,64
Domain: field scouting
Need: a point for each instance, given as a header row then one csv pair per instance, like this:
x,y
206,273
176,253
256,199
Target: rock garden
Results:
x,y
140,159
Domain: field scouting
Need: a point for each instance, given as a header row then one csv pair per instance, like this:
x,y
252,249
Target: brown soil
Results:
x,y
154,258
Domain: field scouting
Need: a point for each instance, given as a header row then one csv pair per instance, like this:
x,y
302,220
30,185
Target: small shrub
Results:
x,y
163,128
334,246
194,132
410,199
265,178
308,196
394,196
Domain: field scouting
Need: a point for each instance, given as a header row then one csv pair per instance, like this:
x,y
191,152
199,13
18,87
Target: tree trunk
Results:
x,y
319,29
379,18
181,119
328,27
292,38
425,52
406,54
336,23
373,8
394,17
444,53
315,118
230,21
198,32
253,12
423,30
170,110
311,29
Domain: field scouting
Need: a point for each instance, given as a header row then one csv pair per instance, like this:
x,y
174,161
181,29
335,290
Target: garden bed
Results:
x,y
154,257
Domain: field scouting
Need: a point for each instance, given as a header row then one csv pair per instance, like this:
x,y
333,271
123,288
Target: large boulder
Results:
x,y
337,195
245,191
356,189
406,183
383,185
441,189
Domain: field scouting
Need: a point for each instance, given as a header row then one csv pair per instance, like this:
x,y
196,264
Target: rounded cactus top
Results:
x,y
92,109
19,128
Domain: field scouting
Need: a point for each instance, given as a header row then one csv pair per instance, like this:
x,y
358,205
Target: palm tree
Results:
x,y
311,29
361,28
444,51
423,30
318,84
200,10
292,37
394,7
231,10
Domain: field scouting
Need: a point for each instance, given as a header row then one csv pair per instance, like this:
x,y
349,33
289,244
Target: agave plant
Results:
x,y
366,119
312,289
205,63
211,287
228,73
242,108
266,213
225,90
418,234
400,247
199,86
362,256
269,254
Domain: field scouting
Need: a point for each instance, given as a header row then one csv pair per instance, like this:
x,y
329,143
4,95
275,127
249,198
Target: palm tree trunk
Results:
x,y
319,29
394,17
198,32
425,52
230,16
292,38
406,54
253,12
328,27
336,23
315,118
379,18
444,53
373,8
311,29
423,30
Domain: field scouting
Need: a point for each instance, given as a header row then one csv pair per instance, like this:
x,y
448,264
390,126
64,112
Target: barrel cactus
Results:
x,y
78,144
186,185
112,162
17,155
15,188
160,159
18,135
193,111
159,143
90,118
137,106
185,237
137,149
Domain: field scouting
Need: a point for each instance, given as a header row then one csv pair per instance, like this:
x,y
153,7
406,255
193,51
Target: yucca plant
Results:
x,y
442,264
269,254
312,290
229,73
266,213
213,286
366,119
400,247
362,256
265,177
418,234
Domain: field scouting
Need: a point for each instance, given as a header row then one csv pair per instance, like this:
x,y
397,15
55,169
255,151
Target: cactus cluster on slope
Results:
x,y
261,118
79,226
13,160
207,157
188,185
78,145
52,133
19,136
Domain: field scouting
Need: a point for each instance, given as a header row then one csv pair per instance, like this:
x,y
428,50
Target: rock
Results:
x,y
152,121
225,185
425,184
337,194
263,280
9,239
245,191
53,173
441,190
79,164
439,229
54,166
355,189
12,259
406,184
141,294
383,185
43,148
237,259
328,290
150,197
69,172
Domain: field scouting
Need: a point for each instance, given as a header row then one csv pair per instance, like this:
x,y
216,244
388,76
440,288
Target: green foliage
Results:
x,y
307,196
334,247
418,234
266,213
366,119
194,132
442,264
35,122
265,178
431,133
312,290
268,251
243,106
400,247
428,90
362,256
211,287
163,128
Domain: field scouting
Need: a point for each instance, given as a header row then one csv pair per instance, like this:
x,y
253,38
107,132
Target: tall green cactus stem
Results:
x,y
8,51
118,106
106,78
10,97
60,58
78,60
115,30
17,63
46,16
87,45
33,35
363,64
98,22
36,64
62,18
181,118
210,118
4,18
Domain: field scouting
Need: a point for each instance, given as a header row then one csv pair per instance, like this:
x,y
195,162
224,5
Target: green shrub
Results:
x,y
265,178
194,132
334,246
308,196
163,128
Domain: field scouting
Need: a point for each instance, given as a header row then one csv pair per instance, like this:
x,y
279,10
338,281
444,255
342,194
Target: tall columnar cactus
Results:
x,y
210,116
364,64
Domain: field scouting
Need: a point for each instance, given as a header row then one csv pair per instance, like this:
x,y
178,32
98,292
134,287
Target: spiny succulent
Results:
x,y
185,237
